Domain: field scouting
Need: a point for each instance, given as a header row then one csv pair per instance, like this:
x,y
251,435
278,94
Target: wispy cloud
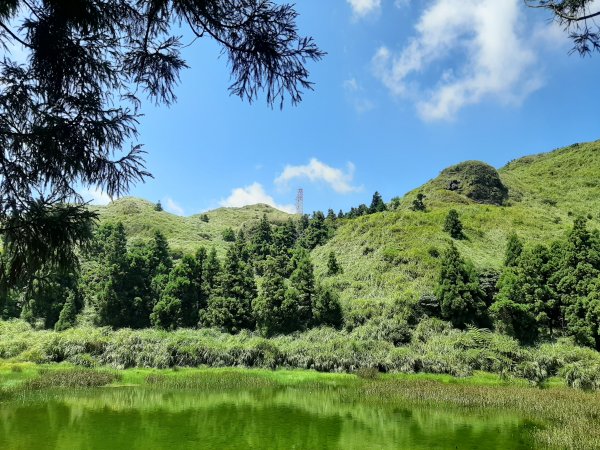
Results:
x,y
173,207
316,171
496,61
95,196
356,96
252,195
363,8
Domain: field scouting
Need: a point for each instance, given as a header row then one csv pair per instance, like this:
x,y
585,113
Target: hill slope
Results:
x,y
185,234
394,254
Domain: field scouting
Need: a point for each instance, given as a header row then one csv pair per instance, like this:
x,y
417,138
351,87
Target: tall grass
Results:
x,y
72,378
433,349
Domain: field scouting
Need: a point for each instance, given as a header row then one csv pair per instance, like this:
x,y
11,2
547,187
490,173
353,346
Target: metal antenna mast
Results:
x,y
300,202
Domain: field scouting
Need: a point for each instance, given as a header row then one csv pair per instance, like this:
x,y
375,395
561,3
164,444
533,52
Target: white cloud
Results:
x,y
362,8
485,35
173,207
316,171
252,195
95,196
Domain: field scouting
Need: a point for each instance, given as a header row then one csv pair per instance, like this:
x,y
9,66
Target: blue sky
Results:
x,y
408,87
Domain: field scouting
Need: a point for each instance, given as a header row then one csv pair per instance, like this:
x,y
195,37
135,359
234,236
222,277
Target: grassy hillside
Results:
x,y
395,254
185,234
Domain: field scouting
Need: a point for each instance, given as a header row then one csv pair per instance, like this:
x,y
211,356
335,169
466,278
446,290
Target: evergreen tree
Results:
x,y
160,263
68,314
268,306
115,306
333,268
300,296
377,204
138,286
577,282
284,238
461,298
167,313
184,285
230,306
514,248
160,256
262,240
341,214
512,315
228,314
317,233
418,203
228,235
212,273
45,298
326,308
453,225
395,203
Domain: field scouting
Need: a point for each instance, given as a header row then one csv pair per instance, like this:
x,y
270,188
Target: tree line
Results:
x,y
265,282
542,292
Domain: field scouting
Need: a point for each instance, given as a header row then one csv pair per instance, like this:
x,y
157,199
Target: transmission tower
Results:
x,y
300,202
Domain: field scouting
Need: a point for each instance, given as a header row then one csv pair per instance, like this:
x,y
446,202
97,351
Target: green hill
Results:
x,y
395,254
185,234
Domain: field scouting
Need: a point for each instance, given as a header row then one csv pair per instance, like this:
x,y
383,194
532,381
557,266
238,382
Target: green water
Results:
x,y
280,418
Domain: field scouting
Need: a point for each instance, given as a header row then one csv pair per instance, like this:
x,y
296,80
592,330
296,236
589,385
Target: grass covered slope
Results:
x,y
395,254
185,234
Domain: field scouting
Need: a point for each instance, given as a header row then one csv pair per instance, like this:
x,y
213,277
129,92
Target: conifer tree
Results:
x,y
418,203
268,306
316,233
212,272
333,268
377,204
327,309
262,240
68,314
453,225
461,298
230,306
514,248
300,295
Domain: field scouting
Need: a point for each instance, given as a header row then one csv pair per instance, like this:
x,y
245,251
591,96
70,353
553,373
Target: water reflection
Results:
x,y
283,418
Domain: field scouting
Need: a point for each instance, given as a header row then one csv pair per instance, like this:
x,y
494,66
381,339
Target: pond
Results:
x,y
277,418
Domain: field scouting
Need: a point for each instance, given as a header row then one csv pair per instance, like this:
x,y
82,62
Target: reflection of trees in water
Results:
x,y
273,418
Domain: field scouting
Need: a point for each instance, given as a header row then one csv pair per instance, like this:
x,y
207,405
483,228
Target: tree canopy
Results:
x,y
578,18
69,111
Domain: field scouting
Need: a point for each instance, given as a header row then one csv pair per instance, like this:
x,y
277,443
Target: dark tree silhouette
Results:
x,y
69,111
579,20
